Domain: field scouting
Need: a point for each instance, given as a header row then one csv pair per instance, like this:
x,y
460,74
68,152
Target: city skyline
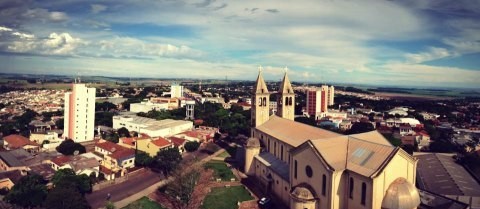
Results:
x,y
404,43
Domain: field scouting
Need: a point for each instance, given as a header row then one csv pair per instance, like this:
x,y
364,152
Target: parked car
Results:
x,y
265,203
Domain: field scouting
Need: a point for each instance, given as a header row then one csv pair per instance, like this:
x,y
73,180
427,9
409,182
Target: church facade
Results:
x,y
311,168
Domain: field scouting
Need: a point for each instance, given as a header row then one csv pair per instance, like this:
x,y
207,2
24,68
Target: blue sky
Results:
x,y
407,42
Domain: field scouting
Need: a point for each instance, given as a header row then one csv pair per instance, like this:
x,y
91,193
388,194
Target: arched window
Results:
x,y
268,144
281,152
275,148
364,193
295,165
264,101
350,190
291,101
260,101
324,185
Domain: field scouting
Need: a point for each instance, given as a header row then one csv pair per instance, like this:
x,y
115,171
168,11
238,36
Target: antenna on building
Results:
x,y
200,86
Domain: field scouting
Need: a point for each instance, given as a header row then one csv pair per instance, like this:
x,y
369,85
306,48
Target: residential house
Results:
x,y
178,143
79,164
16,141
9,178
116,159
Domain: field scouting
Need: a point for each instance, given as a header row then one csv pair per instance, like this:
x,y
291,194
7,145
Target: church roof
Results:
x,y
355,154
291,132
260,85
364,153
285,86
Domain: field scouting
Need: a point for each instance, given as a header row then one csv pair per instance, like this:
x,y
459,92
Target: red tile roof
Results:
x,y
105,170
117,151
61,160
122,154
17,141
161,142
423,133
177,141
130,141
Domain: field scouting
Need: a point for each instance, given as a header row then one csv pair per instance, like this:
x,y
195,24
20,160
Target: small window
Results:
x,y
324,185
364,193
295,165
350,191
309,171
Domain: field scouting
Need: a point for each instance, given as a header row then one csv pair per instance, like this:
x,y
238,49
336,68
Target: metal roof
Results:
x,y
276,165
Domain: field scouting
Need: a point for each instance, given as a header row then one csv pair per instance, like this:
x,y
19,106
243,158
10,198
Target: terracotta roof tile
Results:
x,y
161,142
177,141
117,151
61,160
16,141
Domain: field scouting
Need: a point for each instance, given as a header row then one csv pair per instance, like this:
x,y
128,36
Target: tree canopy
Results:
x,y
191,146
61,197
67,178
30,191
167,160
68,147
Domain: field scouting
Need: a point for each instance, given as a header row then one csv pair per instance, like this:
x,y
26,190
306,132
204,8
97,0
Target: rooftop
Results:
x,y
440,173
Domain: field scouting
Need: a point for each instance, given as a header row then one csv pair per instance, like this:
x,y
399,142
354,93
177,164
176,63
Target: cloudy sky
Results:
x,y
396,42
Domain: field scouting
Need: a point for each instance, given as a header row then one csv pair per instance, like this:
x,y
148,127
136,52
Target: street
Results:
x,y
136,183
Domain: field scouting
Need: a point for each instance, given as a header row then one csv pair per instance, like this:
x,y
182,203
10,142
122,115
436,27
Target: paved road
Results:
x,y
134,184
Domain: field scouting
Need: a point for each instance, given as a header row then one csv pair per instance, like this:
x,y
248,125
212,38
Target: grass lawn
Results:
x,y
220,170
224,155
143,203
226,198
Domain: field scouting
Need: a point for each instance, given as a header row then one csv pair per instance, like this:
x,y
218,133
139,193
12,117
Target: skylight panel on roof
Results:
x,y
360,156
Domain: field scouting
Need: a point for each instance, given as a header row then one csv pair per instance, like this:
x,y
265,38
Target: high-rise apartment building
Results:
x,y
176,91
79,115
319,99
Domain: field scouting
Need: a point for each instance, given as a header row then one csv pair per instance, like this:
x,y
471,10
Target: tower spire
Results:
x,y
260,85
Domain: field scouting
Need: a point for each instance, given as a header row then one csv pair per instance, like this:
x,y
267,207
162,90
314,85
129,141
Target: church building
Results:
x,y
307,167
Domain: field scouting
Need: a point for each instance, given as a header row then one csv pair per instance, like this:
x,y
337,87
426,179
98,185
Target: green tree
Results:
x,y
123,132
143,159
69,147
191,146
30,191
182,187
360,127
59,123
167,160
65,196
67,178
105,106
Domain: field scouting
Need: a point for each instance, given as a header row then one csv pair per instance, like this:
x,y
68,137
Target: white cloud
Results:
x,y
97,8
127,46
433,53
45,15
61,44
24,35
58,16
5,29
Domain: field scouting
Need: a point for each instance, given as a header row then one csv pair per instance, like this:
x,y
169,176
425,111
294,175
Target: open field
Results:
x,y
412,97
143,203
226,197
220,169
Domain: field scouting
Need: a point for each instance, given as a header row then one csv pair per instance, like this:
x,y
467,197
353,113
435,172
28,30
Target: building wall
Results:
x,y
119,122
315,181
401,165
278,186
261,109
176,91
6,183
147,146
40,137
5,167
79,113
147,106
279,149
